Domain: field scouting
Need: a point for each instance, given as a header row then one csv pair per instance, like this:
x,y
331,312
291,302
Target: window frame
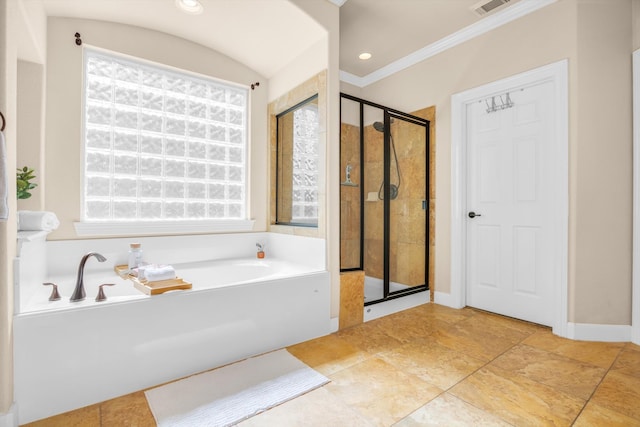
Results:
x,y
87,226
296,222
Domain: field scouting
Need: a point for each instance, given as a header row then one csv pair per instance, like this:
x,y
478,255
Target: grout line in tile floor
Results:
x,y
479,368
490,361
598,385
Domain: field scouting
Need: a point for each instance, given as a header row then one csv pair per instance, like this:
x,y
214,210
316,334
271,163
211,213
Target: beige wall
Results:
x,y
595,36
8,75
309,63
601,144
353,90
31,129
635,18
18,41
64,107
30,30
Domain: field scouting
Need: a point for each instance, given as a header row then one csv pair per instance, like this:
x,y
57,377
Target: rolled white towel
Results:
x,y
155,274
37,220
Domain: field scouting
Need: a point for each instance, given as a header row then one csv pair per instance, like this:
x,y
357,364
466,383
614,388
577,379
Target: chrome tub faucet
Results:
x,y
78,292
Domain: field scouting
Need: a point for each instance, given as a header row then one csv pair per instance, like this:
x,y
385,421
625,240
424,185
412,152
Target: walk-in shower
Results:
x,y
384,198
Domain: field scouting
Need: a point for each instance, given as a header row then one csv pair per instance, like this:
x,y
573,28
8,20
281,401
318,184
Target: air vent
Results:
x,y
487,6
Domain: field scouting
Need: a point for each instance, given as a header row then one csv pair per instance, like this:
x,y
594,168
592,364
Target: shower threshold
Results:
x,y
373,291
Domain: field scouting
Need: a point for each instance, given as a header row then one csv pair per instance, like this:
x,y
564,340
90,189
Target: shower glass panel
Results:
x,y
351,226
373,219
383,198
408,207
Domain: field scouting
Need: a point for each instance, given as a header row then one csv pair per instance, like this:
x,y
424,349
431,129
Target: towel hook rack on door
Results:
x,y
3,122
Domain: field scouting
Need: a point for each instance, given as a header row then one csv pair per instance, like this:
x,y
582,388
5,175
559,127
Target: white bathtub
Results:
x,y
69,355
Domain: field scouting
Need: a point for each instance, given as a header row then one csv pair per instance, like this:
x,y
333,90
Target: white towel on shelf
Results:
x,y
155,274
37,220
4,181
139,270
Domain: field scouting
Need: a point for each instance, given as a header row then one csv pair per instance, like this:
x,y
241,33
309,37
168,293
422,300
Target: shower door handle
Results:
x,y
473,214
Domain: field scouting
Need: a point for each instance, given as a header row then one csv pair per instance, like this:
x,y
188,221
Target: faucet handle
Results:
x,y
55,296
101,295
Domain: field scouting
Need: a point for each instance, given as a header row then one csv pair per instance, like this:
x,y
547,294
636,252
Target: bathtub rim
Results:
x,y
138,296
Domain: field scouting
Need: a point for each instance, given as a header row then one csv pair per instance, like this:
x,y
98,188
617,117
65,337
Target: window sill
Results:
x,y
140,228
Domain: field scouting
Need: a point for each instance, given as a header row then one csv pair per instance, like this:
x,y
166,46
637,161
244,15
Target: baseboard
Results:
x,y
445,299
635,335
9,419
335,324
575,331
594,332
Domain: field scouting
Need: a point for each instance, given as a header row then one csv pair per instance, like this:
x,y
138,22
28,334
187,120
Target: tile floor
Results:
x,y
435,366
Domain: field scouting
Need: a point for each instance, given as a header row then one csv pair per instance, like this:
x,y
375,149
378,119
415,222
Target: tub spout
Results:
x,y
78,292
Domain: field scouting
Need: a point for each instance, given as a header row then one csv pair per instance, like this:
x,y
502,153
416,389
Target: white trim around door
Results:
x,y
557,73
635,293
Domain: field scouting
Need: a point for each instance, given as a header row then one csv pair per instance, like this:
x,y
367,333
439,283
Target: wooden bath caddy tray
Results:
x,y
152,288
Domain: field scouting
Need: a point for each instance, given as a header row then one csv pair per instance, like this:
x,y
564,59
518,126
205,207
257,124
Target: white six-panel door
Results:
x,y
509,241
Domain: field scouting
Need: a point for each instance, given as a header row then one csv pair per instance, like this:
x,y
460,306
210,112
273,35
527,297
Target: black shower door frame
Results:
x,y
390,113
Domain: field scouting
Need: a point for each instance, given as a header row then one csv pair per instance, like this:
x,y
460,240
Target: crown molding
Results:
x,y
485,25
338,2
351,79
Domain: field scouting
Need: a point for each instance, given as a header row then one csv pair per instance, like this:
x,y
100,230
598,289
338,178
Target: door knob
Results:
x,y
473,214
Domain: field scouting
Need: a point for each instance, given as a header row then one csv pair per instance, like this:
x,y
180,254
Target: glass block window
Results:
x,y
161,144
305,164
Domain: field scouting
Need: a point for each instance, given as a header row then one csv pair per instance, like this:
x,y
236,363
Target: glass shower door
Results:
x,y
408,210
374,222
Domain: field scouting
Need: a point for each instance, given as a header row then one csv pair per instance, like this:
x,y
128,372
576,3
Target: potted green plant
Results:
x,y
23,181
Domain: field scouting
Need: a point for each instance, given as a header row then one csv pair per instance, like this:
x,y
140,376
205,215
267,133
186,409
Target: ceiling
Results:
x,y
392,29
401,33
266,35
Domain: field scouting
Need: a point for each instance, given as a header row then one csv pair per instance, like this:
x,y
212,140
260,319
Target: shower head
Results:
x,y
379,126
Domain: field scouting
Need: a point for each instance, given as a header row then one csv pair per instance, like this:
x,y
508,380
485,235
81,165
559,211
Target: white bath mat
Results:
x,y
233,393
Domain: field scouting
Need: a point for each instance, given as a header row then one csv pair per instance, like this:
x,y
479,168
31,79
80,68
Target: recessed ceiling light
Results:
x,y
193,7
364,56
